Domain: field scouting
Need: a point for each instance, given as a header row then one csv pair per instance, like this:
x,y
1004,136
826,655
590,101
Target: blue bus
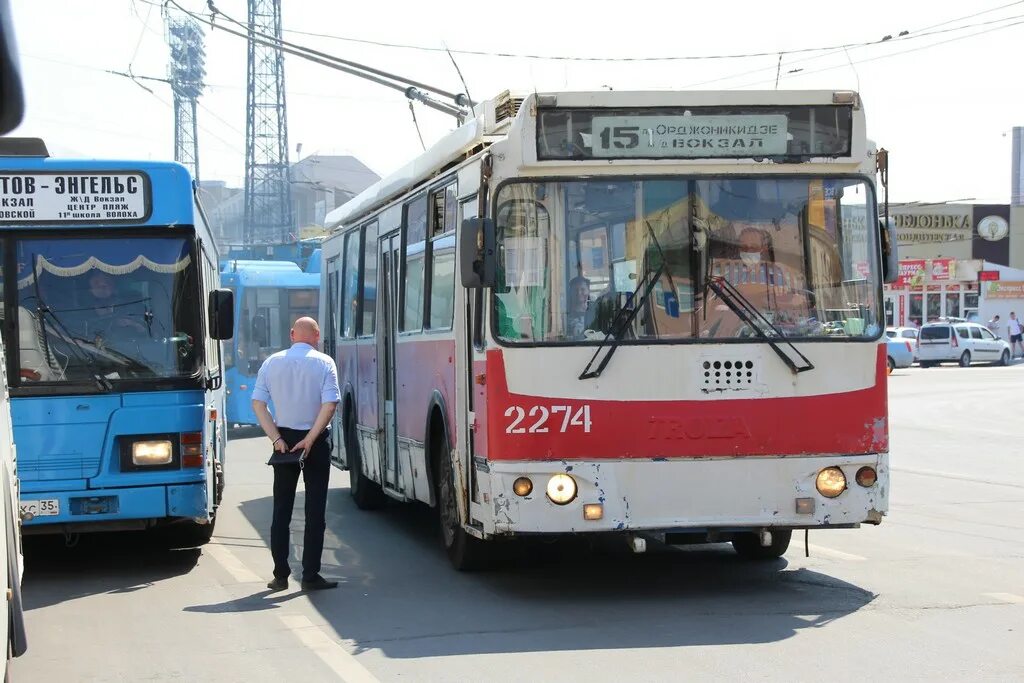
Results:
x,y
113,312
269,296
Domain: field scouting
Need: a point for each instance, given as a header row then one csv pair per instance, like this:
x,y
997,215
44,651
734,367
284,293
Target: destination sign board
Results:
x,y
688,136
79,197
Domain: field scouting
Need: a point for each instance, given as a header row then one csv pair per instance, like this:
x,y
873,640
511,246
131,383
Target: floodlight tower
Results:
x,y
186,73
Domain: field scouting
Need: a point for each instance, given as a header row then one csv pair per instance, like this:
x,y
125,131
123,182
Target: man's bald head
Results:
x,y
306,331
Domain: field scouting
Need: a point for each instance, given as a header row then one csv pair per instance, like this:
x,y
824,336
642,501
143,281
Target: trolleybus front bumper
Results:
x,y
678,494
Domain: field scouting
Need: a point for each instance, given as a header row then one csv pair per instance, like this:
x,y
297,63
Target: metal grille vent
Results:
x,y
506,106
728,375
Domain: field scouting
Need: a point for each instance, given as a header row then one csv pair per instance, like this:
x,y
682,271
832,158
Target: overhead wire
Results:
x,y
1019,18
512,55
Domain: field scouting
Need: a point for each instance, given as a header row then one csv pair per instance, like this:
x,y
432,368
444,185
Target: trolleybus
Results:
x,y
656,314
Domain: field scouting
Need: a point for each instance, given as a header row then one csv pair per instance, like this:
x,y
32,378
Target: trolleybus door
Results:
x,y
390,262
331,349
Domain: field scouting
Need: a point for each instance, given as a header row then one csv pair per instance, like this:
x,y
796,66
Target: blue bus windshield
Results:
x,y
106,309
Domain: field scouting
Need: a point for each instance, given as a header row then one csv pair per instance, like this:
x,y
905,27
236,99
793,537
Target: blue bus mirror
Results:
x,y
222,314
477,257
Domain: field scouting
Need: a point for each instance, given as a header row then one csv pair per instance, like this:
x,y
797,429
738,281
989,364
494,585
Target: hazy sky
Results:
x,y
944,107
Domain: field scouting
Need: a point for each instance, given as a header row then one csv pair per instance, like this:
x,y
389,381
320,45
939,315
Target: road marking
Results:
x,y
1006,597
231,564
328,650
836,554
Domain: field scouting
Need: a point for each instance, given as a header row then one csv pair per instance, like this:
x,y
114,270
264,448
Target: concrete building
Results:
x,y
319,183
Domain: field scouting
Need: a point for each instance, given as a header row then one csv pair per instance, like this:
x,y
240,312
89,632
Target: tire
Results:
x,y
187,534
748,546
1004,359
465,552
367,494
890,365
965,359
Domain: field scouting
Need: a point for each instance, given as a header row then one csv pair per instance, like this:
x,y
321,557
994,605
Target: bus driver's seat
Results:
x,y
37,361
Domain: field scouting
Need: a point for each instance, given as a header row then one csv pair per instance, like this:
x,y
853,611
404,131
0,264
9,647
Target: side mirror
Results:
x,y
222,314
477,256
890,251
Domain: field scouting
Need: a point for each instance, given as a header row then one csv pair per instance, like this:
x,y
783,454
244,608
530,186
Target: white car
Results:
x,y
909,333
962,342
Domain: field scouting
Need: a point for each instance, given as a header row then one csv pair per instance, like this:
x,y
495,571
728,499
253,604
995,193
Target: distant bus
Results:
x,y
114,315
269,296
650,314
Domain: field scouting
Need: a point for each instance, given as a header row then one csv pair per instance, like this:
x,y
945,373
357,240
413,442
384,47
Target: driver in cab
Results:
x,y
108,313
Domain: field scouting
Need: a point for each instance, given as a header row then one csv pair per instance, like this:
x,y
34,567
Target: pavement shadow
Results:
x,y
244,432
122,562
400,595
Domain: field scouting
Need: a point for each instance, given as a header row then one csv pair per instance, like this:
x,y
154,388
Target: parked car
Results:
x,y
899,352
962,342
904,333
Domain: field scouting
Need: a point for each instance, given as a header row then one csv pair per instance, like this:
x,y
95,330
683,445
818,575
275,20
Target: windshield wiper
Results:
x,y
746,311
42,309
619,324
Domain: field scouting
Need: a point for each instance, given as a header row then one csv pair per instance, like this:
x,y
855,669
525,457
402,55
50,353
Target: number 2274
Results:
x,y
561,419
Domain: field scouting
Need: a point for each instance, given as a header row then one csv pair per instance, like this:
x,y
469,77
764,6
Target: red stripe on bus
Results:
x,y
831,424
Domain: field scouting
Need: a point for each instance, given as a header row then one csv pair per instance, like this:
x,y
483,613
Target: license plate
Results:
x,y
40,508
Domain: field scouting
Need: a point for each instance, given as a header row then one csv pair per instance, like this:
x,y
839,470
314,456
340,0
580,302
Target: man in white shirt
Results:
x,y
1013,328
303,385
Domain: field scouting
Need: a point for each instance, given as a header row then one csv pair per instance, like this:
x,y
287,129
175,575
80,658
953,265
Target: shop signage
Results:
x,y
988,275
1004,289
943,269
911,272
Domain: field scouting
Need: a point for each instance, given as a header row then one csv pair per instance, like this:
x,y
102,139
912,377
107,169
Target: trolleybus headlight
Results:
x,y
522,486
831,482
866,476
152,453
561,489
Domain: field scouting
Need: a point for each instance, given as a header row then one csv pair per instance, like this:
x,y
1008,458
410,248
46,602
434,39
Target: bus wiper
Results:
x,y
749,314
621,323
42,309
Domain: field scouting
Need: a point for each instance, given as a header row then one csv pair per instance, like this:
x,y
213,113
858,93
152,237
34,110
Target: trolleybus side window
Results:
x,y
369,294
441,304
413,269
350,296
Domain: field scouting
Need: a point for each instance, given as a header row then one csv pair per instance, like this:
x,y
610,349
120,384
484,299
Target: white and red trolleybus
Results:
x,y
648,313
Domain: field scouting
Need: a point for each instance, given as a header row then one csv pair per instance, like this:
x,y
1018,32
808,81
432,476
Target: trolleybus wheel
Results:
x,y
366,493
748,546
465,552
890,365
965,359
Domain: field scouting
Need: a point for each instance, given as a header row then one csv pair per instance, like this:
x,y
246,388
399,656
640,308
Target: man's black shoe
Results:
x,y
278,584
318,583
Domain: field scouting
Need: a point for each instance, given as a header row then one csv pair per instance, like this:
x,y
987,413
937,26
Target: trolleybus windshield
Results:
x,y
571,255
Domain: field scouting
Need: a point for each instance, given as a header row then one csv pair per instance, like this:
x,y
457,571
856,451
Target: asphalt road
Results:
x,y
935,592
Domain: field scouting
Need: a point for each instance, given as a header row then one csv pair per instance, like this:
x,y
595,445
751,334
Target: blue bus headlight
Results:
x,y
152,453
